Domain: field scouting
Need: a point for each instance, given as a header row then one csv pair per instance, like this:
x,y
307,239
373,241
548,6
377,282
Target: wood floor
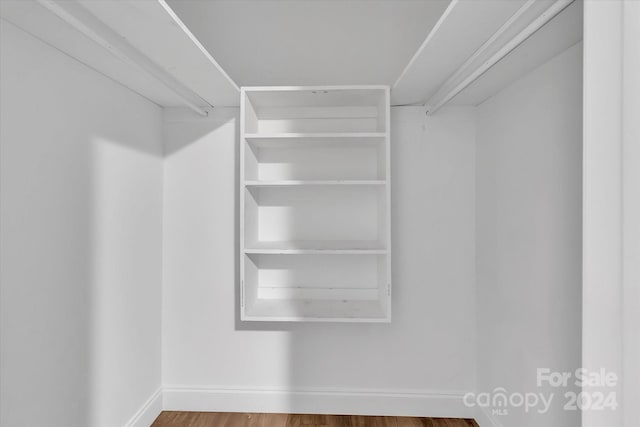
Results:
x,y
233,419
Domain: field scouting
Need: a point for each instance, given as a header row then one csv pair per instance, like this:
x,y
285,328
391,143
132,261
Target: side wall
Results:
x,y
611,296
528,187
421,363
80,259
631,214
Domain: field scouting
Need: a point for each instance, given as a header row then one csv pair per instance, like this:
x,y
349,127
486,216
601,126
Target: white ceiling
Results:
x,y
311,42
200,54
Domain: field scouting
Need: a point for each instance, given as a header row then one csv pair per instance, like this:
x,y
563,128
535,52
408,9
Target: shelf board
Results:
x,y
337,293
285,183
314,135
284,310
317,247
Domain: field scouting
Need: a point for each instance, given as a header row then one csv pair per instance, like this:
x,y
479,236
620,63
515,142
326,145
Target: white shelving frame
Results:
x,y
315,235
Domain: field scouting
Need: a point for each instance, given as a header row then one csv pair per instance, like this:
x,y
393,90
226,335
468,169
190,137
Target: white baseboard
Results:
x,y
148,412
485,419
318,401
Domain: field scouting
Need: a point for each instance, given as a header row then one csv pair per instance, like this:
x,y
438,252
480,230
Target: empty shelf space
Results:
x,y
309,111
319,247
314,213
315,287
312,159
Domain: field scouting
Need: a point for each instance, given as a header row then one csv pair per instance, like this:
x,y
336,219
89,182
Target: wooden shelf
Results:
x,y
315,135
326,293
330,139
312,183
317,247
315,204
314,310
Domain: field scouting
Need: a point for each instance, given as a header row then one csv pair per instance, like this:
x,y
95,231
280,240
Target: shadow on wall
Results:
x,y
79,277
126,284
81,191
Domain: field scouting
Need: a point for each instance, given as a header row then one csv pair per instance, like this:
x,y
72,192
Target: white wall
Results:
x,y
81,223
611,298
528,193
631,214
425,357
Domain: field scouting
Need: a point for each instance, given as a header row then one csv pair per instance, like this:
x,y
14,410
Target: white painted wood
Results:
x,y
391,401
504,41
44,25
315,135
562,32
460,32
153,28
468,34
314,196
486,46
148,412
317,247
453,5
317,182
311,42
89,25
313,310
126,41
305,293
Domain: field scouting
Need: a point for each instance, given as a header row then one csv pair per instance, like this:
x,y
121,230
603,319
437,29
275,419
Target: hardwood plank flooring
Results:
x,y
237,419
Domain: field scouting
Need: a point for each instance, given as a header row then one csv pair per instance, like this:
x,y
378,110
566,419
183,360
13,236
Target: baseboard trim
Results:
x,y
319,401
148,412
485,419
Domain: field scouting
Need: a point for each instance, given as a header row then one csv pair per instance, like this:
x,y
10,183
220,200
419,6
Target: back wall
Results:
x,y
421,364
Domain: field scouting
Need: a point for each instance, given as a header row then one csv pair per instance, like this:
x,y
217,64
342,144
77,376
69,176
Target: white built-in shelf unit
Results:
x,y
314,204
